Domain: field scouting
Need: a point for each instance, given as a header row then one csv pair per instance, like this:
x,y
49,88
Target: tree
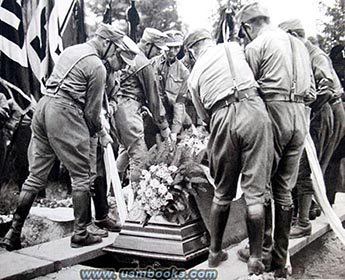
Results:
x,y
334,29
160,14
232,5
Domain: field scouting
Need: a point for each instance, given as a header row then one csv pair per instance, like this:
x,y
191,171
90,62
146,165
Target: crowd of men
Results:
x,y
259,96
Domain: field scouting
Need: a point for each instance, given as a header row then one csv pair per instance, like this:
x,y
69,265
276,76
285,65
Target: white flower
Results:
x,y
172,168
162,189
153,168
154,183
148,193
169,180
169,196
140,191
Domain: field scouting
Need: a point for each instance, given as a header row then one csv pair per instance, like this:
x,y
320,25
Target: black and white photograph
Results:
x,y
172,139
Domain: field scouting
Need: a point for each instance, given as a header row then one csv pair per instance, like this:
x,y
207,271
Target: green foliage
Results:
x,y
334,29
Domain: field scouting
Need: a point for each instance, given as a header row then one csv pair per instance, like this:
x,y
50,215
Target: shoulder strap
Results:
x,y
135,72
70,69
294,73
232,68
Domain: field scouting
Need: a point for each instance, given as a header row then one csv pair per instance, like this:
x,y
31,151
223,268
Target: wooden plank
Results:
x,y
15,266
233,268
60,252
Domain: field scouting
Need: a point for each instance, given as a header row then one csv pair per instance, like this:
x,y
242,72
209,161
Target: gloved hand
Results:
x,y
104,137
166,133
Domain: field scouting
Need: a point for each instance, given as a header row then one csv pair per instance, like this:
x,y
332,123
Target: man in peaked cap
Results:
x,y
153,42
226,98
139,88
281,66
64,121
103,222
329,93
171,74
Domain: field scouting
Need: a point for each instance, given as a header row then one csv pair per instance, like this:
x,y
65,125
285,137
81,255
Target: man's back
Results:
x,y
212,75
272,56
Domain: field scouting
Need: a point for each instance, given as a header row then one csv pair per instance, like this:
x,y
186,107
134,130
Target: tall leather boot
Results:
x,y
11,240
218,219
255,227
303,225
283,216
268,241
244,253
100,200
81,204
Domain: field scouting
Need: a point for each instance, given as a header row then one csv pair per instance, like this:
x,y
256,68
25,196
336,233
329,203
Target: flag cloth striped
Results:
x,y
14,71
37,45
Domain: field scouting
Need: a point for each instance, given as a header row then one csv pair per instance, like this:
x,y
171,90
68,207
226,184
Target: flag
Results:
x,y
14,71
72,27
66,26
55,39
107,17
37,44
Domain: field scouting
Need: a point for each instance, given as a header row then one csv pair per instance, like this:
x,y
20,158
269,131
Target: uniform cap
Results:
x,y
195,36
294,24
106,31
175,38
250,11
129,50
156,37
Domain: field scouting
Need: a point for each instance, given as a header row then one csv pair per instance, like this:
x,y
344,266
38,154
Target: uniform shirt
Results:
x,y
326,79
143,86
171,79
270,57
211,79
84,84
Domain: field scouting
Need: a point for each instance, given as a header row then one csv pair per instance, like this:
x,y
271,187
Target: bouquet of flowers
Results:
x,y
153,193
171,177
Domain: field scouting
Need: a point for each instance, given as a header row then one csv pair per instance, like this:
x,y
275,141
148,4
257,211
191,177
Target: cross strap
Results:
x,y
232,69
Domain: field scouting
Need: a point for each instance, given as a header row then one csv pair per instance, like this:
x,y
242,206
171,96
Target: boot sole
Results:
x,y
74,245
241,258
299,236
213,265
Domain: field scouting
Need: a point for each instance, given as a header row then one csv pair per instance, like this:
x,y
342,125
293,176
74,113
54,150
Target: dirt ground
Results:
x,y
322,259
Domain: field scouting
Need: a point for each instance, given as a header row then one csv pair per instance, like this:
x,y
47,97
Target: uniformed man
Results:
x,y
62,125
320,128
103,221
226,98
171,75
139,88
281,66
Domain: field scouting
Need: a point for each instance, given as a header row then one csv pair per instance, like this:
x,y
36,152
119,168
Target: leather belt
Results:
x,y
230,99
335,101
282,97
